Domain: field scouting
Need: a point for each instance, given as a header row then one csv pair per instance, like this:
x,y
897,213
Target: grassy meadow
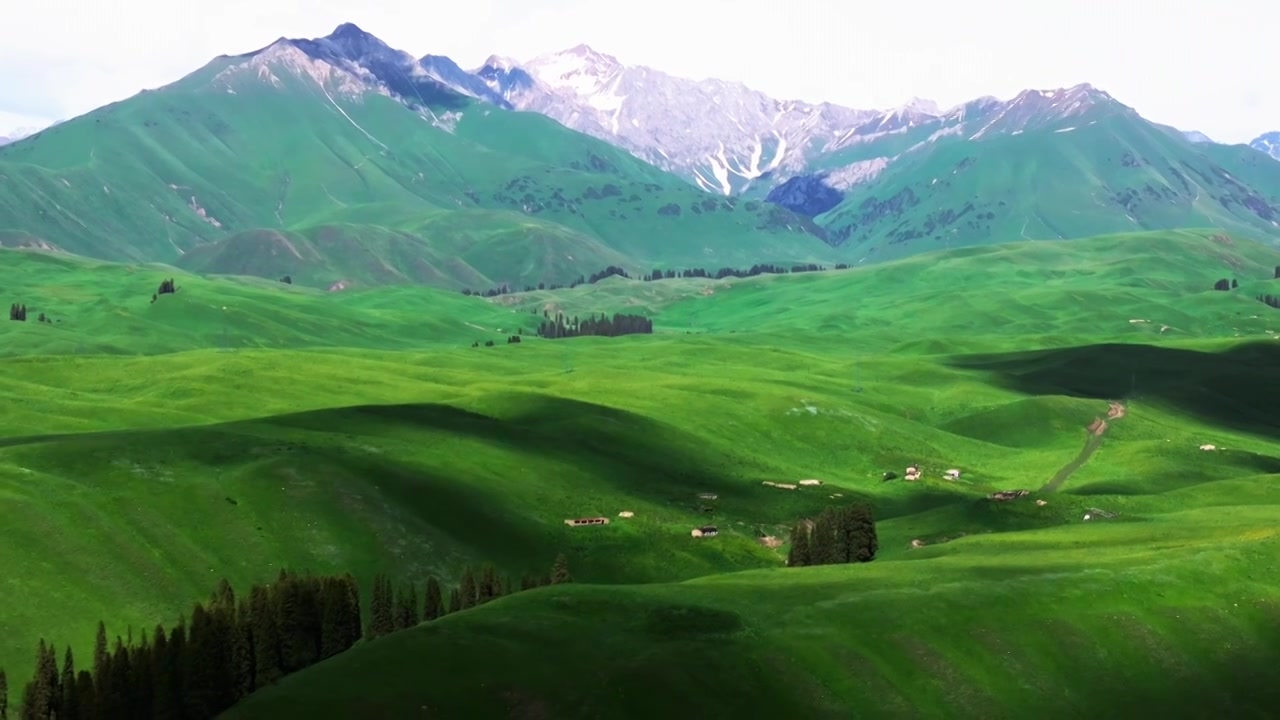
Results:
x,y
148,450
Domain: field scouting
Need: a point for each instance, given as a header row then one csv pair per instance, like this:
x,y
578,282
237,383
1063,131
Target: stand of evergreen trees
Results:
x,y
619,324
838,535
1271,300
166,288
230,647
613,270
18,312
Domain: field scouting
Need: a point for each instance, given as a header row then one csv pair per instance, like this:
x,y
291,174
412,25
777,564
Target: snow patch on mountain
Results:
x,y
283,56
722,136
863,171
1039,108
1268,143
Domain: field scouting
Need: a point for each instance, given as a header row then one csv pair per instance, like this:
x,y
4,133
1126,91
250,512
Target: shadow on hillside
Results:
x,y
1238,388
1227,464
632,452
1240,683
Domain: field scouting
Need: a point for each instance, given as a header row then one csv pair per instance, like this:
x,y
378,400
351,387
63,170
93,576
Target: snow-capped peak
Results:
x,y
921,106
500,62
580,70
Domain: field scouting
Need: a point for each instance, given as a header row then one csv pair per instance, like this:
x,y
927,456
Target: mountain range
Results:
x,y
341,161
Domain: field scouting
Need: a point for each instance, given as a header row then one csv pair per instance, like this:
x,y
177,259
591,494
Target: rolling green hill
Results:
x,y
1103,170
96,307
358,430
1135,287
277,162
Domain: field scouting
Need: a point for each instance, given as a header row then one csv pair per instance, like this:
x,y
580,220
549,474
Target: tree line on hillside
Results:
x,y
230,647
613,270
838,535
1232,283
18,312
619,324
511,340
1271,300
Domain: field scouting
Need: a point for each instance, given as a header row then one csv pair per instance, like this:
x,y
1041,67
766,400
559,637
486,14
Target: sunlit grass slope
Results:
x,y
132,483
1138,287
99,307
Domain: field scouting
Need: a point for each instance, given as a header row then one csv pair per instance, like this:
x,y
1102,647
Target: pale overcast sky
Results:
x,y
1198,66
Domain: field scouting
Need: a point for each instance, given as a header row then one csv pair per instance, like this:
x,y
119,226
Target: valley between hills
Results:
x,y
315,358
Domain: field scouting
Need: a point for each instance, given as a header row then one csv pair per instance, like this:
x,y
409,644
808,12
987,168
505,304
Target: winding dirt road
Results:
x,y
1115,411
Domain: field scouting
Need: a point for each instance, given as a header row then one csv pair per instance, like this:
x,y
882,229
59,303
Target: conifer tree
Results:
x,y
198,673
70,705
141,681
433,605
4,696
41,697
467,589
242,669
560,570
867,544
115,702
100,655
822,541
382,607
175,660
166,695
847,534
455,601
86,696
266,637
799,555
487,588
406,607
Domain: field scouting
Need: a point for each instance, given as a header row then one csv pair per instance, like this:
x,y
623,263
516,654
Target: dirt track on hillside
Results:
x,y
1097,428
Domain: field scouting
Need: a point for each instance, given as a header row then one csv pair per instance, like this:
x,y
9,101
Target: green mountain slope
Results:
x,y
253,154
1100,170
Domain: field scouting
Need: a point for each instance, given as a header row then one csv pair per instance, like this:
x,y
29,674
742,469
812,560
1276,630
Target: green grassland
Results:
x,y
273,168
1105,171
336,437
98,307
